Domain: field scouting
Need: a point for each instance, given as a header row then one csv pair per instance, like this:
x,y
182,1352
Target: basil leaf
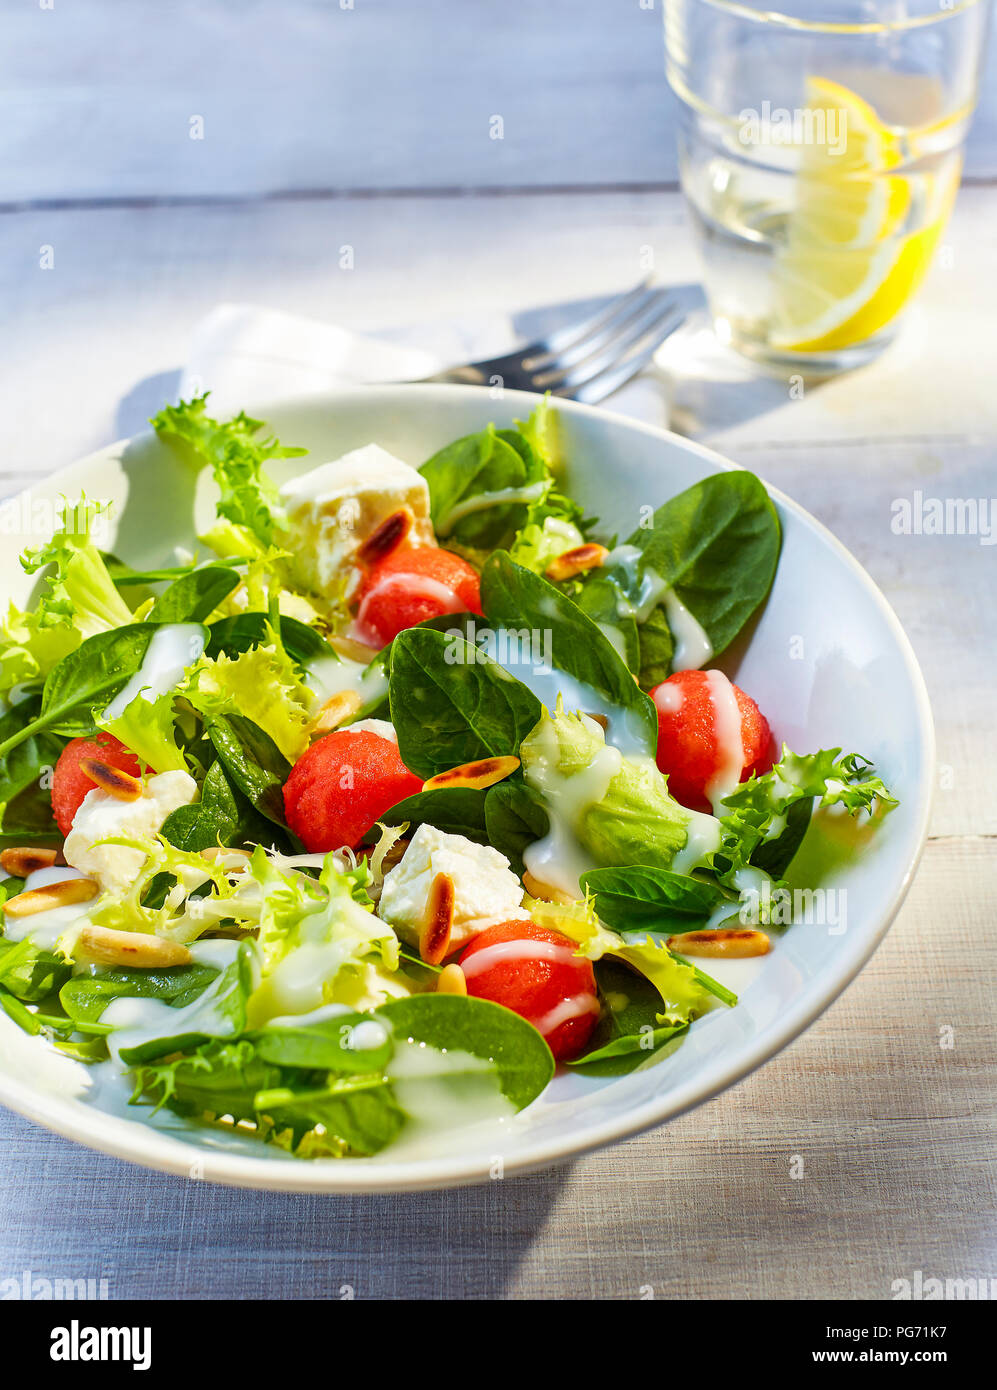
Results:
x,y
515,598
192,597
218,1012
644,897
362,1113
604,602
522,1060
450,703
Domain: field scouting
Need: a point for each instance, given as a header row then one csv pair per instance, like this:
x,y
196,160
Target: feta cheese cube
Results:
x,y
334,508
485,888
115,867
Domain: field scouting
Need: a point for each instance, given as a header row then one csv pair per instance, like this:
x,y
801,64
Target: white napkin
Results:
x,y
247,356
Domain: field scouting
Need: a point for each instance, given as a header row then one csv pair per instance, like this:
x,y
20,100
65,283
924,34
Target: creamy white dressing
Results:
x,y
482,500
327,677
524,949
648,589
137,1021
173,648
728,739
442,1089
703,837
368,1036
692,645
558,859
577,1006
381,727
693,648
513,650
669,698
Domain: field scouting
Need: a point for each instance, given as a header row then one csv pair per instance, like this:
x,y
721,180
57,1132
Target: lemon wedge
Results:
x,y
847,266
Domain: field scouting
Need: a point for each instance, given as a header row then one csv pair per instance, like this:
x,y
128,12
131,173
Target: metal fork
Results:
x,y
585,361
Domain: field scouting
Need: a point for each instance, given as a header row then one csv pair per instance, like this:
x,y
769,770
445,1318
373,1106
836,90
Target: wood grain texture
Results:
x,y
896,1134
96,97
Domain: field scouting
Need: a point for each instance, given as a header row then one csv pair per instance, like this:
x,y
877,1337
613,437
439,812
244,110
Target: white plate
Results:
x,y
827,662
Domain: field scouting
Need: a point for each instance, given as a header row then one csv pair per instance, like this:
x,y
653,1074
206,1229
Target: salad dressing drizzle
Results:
x,y
173,648
729,739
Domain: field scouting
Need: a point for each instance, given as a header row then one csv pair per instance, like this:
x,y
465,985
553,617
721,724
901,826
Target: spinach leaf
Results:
x,y
362,1113
17,1013
464,476
717,546
25,804
639,897
522,1060
516,598
514,818
219,1012
238,634
603,600
124,575
456,810
232,1078
222,1078
223,816
628,1032
192,597
322,1046
86,677
450,703
86,996
252,761
29,972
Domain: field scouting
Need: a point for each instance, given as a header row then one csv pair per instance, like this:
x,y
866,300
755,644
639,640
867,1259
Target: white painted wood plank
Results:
x,y
96,97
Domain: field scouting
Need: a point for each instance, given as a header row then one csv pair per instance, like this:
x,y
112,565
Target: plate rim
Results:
x,y
128,1140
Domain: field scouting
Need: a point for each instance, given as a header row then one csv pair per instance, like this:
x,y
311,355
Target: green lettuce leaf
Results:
x,y
262,684
759,811
236,455
78,600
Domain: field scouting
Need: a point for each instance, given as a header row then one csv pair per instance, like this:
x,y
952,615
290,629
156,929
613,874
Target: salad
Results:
x,y
395,792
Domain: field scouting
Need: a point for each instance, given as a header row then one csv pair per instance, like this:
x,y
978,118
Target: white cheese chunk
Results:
x,y
485,888
334,508
115,867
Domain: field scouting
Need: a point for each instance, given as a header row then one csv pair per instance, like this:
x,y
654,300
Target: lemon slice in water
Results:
x,y
847,267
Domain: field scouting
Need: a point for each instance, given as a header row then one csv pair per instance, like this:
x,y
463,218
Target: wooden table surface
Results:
x,y
894,1127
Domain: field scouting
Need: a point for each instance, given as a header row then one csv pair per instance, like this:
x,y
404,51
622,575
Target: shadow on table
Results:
x,y
143,401
466,1243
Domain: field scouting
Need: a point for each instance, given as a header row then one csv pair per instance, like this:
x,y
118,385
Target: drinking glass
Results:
x,y
820,151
